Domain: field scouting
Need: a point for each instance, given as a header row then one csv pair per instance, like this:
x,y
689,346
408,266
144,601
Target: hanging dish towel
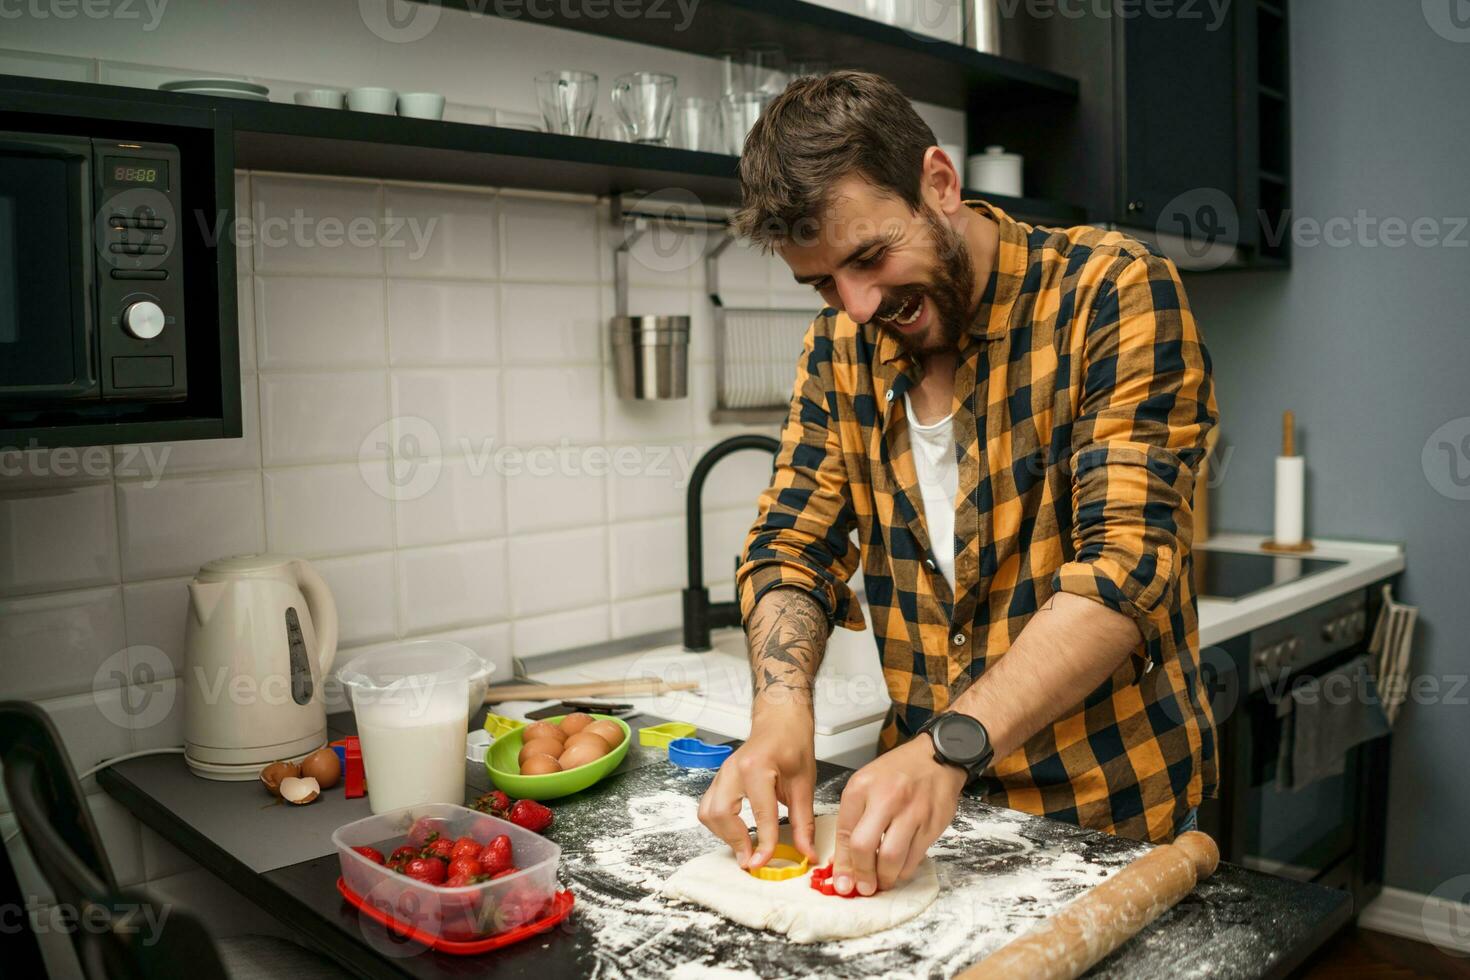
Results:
x,y
1323,718
1393,634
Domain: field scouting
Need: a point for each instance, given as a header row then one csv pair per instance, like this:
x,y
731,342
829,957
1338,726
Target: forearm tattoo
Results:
x,y
787,635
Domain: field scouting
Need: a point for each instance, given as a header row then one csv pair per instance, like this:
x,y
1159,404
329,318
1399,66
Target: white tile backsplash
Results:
x,y
548,406
316,511
307,225
432,232
453,324
57,537
174,526
322,323
543,323
563,570
647,556
54,644
541,501
543,239
156,612
462,407
362,587
534,635
464,500
451,586
308,418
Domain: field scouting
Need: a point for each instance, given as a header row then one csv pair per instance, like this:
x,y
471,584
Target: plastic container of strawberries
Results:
x,y
467,913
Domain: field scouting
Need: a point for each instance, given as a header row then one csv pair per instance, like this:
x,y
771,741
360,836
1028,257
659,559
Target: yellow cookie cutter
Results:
x,y
786,853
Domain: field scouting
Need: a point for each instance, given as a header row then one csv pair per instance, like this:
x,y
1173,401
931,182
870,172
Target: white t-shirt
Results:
x,y
939,482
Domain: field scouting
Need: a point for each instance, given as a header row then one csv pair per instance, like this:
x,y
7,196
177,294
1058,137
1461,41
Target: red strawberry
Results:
x,y
467,866
459,881
403,854
531,815
440,847
371,853
508,871
425,869
465,847
495,803
424,830
497,856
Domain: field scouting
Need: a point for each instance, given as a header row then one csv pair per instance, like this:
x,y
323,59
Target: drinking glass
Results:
x,y
566,99
644,101
697,125
738,112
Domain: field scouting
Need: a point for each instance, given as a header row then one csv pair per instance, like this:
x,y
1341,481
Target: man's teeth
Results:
x,y
918,308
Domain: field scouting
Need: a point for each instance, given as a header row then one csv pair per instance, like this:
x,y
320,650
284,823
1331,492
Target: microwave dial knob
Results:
x,y
143,319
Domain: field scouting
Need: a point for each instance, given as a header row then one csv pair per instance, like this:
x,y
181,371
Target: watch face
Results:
x,y
960,738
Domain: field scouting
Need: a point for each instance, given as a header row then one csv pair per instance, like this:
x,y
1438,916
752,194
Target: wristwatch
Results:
x,y
961,741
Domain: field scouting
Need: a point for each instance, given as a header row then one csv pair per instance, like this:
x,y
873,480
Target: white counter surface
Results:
x,y
851,697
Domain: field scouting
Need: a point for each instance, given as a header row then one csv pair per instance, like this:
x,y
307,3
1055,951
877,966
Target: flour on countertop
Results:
x,y
998,877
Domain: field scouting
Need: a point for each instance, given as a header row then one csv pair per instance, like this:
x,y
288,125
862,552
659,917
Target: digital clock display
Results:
x,y
133,170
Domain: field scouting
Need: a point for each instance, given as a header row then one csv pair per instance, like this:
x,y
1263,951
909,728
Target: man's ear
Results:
x,y
940,181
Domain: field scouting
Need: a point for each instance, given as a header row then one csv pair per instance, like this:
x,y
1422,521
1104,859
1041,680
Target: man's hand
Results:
x,y
778,762
892,810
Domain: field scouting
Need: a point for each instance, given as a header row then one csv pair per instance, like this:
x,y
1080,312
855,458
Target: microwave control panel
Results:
x,y
140,270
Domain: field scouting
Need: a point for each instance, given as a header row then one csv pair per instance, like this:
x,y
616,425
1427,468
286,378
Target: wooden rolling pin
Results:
x,y
1067,944
642,686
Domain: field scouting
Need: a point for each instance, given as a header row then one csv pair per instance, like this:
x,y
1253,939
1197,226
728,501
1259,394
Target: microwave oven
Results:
x,y
92,290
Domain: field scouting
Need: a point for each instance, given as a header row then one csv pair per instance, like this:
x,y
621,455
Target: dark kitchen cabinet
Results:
x,y
1182,131
1177,122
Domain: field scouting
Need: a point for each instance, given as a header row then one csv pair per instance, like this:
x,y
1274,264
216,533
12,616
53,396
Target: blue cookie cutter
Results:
x,y
691,753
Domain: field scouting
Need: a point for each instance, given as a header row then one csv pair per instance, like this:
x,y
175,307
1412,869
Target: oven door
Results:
x,y
47,336
1309,833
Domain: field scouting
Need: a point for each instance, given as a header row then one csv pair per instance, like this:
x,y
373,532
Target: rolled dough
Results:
x,y
793,907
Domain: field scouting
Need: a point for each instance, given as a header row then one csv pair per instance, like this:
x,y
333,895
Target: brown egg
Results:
x,y
575,722
610,732
323,766
589,738
540,765
583,753
542,729
540,746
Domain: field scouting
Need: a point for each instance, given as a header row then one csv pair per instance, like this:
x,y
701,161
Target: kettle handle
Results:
x,y
323,610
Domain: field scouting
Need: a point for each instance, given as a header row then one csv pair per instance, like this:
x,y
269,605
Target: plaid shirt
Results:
x,y
1081,403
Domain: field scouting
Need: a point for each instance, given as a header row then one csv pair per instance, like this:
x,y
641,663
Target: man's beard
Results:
x,y
951,287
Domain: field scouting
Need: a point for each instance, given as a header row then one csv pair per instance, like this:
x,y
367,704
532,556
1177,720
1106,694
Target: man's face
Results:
x,y
911,274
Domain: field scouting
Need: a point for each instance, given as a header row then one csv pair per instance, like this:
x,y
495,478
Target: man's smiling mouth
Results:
x,y
907,313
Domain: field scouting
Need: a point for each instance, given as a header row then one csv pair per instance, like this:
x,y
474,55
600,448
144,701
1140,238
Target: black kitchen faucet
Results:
x,y
701,615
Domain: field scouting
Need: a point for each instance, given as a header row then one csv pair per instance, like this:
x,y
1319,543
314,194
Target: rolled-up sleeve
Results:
x,y
802,536
1146,406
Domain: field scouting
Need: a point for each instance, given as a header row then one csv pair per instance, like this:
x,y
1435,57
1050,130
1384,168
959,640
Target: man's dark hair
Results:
x,y
820,130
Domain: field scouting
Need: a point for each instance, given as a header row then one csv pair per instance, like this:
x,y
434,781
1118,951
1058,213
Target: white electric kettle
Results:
x,y
260,637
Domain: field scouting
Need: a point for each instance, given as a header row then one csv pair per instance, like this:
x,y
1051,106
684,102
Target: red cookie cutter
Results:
x,y
822,882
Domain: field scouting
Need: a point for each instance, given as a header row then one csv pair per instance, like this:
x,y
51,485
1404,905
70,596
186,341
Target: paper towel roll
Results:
x,y
1291,486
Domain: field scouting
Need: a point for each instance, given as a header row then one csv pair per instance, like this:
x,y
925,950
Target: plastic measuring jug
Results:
x,y
411,701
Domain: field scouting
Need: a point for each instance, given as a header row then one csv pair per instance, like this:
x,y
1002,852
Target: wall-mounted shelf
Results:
x,y
925,68
276,136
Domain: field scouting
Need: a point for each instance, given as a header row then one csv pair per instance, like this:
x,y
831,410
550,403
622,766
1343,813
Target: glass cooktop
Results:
x,y
1234,575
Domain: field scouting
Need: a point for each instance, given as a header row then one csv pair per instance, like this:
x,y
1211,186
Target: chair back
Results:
x,y
115,934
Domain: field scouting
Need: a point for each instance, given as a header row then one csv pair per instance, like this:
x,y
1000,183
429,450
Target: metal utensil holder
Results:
x,y
755,353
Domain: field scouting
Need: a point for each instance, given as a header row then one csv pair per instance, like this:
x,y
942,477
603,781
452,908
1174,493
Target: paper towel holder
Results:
x,y
1288,448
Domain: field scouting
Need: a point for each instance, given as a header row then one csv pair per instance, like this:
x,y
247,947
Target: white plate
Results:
x,y
229,88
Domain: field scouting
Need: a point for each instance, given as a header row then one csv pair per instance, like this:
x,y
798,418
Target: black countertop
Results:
x,y
1001,872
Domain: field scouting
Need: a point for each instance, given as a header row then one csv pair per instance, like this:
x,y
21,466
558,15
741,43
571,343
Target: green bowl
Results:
x,y
505,771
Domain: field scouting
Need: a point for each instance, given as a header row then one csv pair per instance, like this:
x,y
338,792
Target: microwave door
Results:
x,y
47,335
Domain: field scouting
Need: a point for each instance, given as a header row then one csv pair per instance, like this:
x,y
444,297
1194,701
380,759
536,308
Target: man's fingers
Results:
x,y
866,838
719,810
762,795
893,854
849,815
799,809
